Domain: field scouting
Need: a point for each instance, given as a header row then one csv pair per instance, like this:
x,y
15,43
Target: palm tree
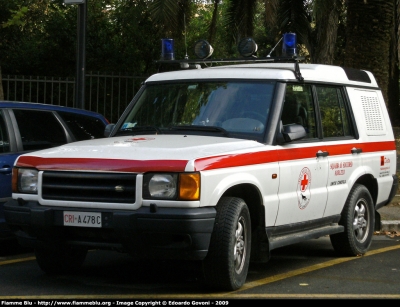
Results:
x,y
314,21
239,19
170,15
393,90
321,40
213,25
369,26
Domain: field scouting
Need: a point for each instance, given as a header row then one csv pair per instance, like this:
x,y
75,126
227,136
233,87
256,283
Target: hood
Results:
x,y
140,153
146,147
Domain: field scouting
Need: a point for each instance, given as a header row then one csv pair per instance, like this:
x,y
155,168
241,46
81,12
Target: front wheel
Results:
x,y
227,262
358,220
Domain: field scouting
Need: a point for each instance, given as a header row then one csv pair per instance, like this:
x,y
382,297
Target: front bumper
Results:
x,y
167,233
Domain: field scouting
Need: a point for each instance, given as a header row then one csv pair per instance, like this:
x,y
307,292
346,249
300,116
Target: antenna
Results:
x,y
269,54
184,25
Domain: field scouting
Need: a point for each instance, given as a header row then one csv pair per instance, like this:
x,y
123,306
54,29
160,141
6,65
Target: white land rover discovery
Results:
x,y
223,165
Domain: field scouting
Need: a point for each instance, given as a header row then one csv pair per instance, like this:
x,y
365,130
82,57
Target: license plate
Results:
x,y
82,219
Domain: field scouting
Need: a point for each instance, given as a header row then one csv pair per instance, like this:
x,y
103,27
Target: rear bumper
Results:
x,y
167,233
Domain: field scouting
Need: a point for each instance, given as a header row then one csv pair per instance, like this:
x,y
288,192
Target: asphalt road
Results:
x,y
308,270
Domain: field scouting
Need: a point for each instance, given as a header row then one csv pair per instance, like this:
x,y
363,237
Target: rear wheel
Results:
x,y
227,261
358,220
59,259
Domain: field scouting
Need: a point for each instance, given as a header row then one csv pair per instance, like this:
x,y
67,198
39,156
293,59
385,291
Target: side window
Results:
x,y
4,141
298,108
334,116
82,126
39,129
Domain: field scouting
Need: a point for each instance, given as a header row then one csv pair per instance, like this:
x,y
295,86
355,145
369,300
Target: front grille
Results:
x,y
90,187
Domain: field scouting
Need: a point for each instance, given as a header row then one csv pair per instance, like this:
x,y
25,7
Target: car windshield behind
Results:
x,y
238,109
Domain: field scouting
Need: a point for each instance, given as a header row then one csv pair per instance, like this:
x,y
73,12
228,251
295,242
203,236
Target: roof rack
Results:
x,y
196,63
247,48
288,59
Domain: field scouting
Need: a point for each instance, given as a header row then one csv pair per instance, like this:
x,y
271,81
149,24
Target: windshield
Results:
x,y
226,108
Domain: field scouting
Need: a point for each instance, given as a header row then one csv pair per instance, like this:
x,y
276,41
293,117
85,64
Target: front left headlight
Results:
x,y
168,186
162,186
26,180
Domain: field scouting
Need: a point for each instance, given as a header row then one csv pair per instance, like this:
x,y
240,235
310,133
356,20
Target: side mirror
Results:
x,y
108,129
293,132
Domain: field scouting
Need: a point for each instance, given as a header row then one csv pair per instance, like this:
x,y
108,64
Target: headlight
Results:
x,y
162,186
185,186
27,180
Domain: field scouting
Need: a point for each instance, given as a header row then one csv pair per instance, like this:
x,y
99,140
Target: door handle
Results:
x,y
356,150
321,153
5,169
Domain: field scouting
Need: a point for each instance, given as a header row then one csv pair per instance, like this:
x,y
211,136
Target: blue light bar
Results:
x,y
167,49
289,44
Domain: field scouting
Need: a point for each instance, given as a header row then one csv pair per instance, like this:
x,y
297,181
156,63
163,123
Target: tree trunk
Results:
x,y
327,23
393,90
213,25
369,25
1,87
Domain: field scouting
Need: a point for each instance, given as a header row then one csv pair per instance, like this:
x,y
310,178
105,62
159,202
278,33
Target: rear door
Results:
x,y
24,130
340,138
38,129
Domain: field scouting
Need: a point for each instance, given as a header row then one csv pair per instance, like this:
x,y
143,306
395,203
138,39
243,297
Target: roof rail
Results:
x,y
288,59
197,63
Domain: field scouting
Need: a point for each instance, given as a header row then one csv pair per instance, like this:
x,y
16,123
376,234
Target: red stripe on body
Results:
x,y
287,154
209,163
235,160
109,165
342,149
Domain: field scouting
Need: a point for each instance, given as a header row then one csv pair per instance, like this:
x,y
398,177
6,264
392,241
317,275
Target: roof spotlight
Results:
x,y
167,49
289,44
203,49
247,47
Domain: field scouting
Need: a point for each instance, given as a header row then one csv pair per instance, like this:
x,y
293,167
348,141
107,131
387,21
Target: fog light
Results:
x,y
247,47
203,49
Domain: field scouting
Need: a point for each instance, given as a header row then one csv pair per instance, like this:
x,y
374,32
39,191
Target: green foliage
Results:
x,y
16,17
40,37
122,35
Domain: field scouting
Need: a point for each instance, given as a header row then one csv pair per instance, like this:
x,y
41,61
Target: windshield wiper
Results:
x,y
138,130
212,129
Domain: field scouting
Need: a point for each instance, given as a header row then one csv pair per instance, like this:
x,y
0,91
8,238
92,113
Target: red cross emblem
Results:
x,y
304,182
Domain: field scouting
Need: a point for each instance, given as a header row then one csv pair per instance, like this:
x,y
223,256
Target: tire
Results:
x,y
59,259
358,220
227,262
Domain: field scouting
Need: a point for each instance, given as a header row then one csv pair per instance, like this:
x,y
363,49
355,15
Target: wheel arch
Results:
x,y
252,196
371,184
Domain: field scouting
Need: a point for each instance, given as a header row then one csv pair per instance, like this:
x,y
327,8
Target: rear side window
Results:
x,y
334,115
83,127
4,141
39,129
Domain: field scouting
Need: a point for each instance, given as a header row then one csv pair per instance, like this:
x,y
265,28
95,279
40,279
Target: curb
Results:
x,y
390,225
